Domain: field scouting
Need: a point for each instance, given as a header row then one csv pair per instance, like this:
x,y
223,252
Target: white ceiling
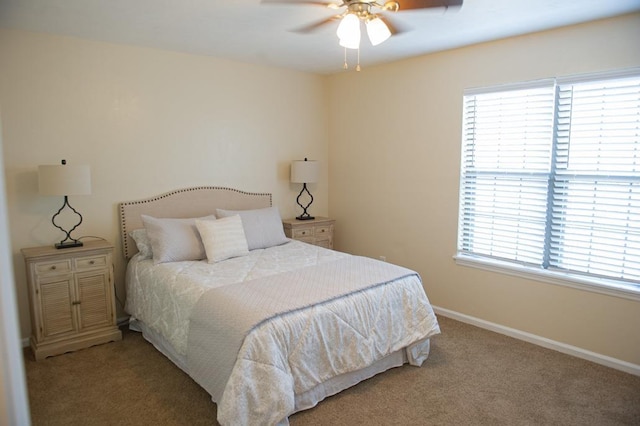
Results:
x,y
249,31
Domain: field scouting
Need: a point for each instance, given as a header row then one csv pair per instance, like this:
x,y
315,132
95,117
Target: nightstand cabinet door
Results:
x,y
94,309
54,304
72,299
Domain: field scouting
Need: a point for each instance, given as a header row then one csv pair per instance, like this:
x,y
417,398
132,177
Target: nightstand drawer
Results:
x,y
91,262
57,267
322,231
300,233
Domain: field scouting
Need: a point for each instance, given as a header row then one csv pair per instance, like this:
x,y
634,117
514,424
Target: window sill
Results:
x,y
602,286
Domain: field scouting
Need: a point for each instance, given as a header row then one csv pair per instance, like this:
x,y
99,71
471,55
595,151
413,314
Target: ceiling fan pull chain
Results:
x,y
358,66
345,66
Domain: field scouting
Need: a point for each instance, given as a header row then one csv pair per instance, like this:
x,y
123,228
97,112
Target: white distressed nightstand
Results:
x,y
71,296
318,231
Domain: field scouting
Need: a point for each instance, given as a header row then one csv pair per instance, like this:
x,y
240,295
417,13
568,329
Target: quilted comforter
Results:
x,y
284,362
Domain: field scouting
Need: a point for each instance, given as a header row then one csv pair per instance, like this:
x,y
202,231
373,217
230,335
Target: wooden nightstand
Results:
x,y
71,296
318,231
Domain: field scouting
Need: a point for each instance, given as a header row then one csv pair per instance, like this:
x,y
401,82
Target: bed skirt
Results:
x,y
415,355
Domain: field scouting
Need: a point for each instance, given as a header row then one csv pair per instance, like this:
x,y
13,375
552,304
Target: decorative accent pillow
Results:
x,y
262,227
223,238
174,240
142,243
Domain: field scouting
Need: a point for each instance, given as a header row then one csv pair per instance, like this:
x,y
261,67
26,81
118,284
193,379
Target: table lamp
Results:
x,y
304,172
65,180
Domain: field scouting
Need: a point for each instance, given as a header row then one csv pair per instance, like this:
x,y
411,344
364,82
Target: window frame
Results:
x,y
611,287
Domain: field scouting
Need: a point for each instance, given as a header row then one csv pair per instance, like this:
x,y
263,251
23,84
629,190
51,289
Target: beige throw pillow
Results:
x,y
223,238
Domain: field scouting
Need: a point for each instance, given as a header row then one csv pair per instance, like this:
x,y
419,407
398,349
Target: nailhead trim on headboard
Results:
x,y
123,218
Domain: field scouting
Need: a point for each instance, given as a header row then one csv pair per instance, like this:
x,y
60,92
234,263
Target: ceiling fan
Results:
x,y
379,27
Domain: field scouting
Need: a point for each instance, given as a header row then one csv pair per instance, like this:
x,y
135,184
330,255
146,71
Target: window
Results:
x,y
550,179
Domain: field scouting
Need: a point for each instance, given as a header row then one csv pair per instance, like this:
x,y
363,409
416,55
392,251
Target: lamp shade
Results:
x,y
305,171
64,180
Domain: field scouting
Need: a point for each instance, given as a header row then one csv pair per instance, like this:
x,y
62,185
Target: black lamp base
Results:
x,y
304,215
68,244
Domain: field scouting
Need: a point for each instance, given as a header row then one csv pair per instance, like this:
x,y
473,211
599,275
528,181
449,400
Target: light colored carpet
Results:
x,y
473,377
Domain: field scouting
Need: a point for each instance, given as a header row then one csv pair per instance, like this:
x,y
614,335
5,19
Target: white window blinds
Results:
x,y
505,171
550,176
595,227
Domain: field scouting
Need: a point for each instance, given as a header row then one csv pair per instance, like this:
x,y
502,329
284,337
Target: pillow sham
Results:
x,y
262,227
174,240
223,238
142,243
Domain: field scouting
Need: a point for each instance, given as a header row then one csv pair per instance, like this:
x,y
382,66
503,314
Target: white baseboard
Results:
x,y
608,361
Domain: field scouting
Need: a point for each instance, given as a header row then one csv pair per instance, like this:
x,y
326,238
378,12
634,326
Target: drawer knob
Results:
x,y
53,267
322,230
91,262
77,302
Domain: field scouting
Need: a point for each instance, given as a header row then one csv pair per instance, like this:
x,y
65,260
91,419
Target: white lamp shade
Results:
x,y
305,171
377,31
64,180
349,32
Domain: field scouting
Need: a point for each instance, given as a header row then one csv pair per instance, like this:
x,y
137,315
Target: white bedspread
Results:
x,y
290,355
163,296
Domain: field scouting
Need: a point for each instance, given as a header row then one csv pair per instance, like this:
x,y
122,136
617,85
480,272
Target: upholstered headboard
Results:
x,y
183,203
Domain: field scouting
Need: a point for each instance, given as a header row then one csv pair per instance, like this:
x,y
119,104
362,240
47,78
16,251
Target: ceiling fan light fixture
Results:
x,y
377,30
349,31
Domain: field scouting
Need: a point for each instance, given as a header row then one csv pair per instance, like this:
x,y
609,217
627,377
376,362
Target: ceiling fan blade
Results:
x,y
427,4
316,25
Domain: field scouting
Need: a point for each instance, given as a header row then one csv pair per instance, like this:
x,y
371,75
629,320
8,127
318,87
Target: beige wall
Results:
x,y
394,156
146,121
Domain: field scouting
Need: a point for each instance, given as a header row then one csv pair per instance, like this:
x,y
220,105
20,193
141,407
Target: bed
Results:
x,y
266,325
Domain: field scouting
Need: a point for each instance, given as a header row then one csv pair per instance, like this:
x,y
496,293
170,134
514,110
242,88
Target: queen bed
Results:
x,y
266,325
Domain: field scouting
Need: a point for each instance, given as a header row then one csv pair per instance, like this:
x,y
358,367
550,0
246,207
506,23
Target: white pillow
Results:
x,y
223,238
262,227
142,243
174,240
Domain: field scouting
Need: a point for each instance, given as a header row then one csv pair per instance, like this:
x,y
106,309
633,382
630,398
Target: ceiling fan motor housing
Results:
x,y
362,9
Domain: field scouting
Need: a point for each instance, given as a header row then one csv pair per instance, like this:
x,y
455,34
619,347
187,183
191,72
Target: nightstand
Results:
x,y
318,231
71,297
